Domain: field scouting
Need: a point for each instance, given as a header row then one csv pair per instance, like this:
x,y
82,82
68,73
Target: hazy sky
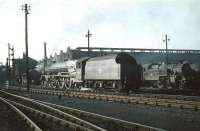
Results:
x,y
113,23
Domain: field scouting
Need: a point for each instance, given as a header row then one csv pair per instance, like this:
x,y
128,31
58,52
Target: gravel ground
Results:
x,y
9,121
160,117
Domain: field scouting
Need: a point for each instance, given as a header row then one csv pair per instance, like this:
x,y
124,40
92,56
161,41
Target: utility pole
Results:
x,y
45,56
26,8
13,64
166,40
9,69
8,63
88,35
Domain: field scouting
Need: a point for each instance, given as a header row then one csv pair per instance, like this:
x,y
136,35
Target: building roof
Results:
x,y
142,56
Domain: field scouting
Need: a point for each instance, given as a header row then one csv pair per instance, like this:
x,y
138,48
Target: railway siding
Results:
x,y
50,120
161,117
28,123
52,111
100,122
175,103
103,121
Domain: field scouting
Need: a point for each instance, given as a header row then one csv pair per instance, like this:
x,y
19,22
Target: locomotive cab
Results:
x,y
130,71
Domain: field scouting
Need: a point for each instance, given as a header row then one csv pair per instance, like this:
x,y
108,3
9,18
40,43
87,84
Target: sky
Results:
x,y
113,23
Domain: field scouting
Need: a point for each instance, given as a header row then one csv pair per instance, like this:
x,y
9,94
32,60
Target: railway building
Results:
x,y
143,56
19,70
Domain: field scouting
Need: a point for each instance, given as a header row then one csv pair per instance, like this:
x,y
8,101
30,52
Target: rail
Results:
x,y
28,121
109,123
182,104
103,122
50,119
170,101
32,103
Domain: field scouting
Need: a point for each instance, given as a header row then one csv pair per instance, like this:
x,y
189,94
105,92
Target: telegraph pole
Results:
x,y
45,56
26,8
166,40
88,35
9,54
13,64
9,69
8,62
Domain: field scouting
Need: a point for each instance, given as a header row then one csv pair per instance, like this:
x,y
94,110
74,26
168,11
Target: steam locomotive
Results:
x,y
121,72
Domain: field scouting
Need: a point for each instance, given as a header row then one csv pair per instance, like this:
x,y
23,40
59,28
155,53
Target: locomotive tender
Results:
x,y
118,71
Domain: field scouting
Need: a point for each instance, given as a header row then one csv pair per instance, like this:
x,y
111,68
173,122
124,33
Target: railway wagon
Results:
x,y
119,71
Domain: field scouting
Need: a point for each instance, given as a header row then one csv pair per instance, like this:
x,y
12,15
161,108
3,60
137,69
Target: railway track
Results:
x,y
53,117
148,94
47,117
164,101
154,101
12,114
108,123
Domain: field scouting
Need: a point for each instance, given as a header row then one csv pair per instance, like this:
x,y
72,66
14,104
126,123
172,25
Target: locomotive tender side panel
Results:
x,y
106,69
